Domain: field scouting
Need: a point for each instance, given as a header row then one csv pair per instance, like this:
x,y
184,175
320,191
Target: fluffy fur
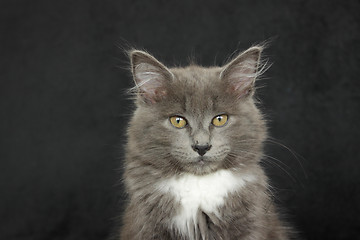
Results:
x,y
175,192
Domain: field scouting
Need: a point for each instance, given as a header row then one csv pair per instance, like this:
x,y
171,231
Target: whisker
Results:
x,y
279,166
272,140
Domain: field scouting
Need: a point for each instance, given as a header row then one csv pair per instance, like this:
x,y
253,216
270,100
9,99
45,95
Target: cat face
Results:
x,y
195,120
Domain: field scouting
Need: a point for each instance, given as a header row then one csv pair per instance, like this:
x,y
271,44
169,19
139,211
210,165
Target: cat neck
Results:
x,y
205,193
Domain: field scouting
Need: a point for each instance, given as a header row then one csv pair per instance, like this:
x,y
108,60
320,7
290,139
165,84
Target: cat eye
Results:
x,y
178,122
220,120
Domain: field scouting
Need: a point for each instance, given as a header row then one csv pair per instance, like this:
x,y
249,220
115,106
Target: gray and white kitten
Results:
x,y
194,145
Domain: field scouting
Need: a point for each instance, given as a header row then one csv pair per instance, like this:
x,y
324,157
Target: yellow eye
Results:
x,y
220,120
178,121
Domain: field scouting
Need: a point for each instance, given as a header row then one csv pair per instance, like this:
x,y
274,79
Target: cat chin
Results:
x,y
201,166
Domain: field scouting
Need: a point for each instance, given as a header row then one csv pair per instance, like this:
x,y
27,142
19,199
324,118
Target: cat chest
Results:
x,y
201,193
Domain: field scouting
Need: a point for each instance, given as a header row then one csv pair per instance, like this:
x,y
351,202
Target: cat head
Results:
x,y
196,119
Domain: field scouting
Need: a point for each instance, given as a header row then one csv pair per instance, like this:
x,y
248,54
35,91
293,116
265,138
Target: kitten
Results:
x,y
194,145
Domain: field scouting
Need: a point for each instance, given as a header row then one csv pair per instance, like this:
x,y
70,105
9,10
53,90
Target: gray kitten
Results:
x,y
194,145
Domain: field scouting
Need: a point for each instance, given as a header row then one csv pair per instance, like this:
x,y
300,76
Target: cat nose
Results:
x,y
201,149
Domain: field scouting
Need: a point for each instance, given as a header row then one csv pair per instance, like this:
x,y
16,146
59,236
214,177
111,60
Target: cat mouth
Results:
x,y
201,160
202,165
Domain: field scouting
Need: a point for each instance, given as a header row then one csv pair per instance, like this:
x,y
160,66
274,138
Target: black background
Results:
x,y
63,110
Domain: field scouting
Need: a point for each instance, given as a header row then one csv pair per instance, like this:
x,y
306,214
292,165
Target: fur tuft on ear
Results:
x,y
240,73
150,76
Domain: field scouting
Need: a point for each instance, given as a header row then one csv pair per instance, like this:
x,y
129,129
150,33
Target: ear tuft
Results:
x,y
150,76
240,74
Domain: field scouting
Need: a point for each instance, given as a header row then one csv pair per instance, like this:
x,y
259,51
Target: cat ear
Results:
x,y
150,76
240,74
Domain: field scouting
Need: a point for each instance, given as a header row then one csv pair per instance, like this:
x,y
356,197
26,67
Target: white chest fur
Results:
x,y
206,193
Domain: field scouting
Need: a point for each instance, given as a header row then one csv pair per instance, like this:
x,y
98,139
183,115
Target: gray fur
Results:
x,y
156,152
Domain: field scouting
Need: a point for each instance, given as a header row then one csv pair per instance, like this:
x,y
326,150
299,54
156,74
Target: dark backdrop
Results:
x,y
63,111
